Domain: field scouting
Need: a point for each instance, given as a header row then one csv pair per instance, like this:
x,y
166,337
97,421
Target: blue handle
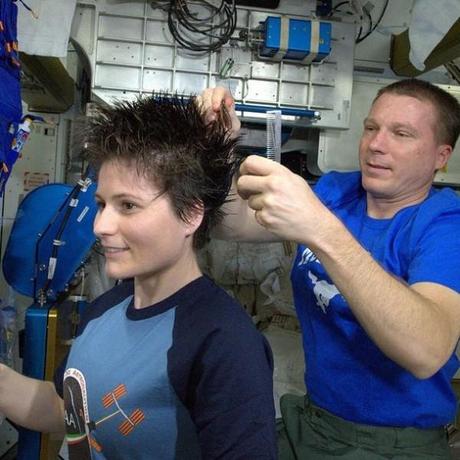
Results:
x,y
284,110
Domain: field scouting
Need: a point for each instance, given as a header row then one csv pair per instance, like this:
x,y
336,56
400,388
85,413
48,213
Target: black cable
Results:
x,y
200,26
337,6
359,39
360,31
206,34
371,29
69,208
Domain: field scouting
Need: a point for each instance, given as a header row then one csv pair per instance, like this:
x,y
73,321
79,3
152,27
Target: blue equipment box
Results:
x,y
288,38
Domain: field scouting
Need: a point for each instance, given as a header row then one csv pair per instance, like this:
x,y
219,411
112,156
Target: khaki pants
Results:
x,y
307,432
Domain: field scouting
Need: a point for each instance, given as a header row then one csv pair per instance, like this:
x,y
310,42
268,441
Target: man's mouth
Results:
x,y
376,166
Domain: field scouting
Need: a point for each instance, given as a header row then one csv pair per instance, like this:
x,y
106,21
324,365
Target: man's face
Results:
x,y
398,152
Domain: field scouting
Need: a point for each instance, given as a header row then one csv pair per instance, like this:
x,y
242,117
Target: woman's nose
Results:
x,y
104,222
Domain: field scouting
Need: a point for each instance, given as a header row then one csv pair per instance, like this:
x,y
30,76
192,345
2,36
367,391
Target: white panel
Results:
x,y
192,63
265,69
157,80
321,97
139,39
158,32
262,91
324,74
294,94
159,56
125,8
295,72
242,62
111,96
185,82
121,28
119,52
114,76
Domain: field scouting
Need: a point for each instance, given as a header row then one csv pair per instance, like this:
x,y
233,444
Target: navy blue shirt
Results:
x,y
187,378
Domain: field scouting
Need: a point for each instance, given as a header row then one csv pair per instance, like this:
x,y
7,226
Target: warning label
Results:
x,y
35,179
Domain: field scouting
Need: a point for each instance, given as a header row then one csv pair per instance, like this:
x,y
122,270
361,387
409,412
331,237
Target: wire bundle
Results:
x,y
206,33
371,26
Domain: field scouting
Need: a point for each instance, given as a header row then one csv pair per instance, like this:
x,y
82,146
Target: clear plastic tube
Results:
x,y
274,135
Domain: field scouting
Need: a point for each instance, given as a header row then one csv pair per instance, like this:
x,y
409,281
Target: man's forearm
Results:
x,y
409,328
33,404
239,223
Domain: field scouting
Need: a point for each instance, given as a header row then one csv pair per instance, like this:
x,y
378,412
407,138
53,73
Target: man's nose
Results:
x,y
378,140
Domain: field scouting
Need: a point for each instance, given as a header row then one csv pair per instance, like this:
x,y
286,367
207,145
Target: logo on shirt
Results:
x,y
322,289
308,256
80,428
76,415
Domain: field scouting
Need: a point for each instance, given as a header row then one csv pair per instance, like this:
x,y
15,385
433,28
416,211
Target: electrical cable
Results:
x,y
205,34
371,29
369,18
337,6
28,8
350,13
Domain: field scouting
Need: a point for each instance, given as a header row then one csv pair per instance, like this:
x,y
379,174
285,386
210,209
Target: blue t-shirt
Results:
x,y
346,373
187,378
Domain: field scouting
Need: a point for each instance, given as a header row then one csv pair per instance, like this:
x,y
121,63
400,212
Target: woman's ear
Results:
x,y
194,218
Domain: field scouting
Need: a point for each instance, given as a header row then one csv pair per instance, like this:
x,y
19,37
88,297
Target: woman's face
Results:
x,y
141,235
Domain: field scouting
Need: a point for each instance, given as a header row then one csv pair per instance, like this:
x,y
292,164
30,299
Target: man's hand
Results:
x,y
283,202
212,100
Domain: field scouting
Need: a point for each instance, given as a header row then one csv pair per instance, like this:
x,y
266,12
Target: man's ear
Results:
x,y
194,218
443,154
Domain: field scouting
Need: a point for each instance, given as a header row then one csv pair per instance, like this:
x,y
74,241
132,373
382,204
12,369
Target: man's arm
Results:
x,y
31,403
416,326
239,223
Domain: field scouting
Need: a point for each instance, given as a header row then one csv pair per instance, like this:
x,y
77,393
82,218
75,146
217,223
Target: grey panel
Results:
x,y
133,51
119,52
158,56
161,80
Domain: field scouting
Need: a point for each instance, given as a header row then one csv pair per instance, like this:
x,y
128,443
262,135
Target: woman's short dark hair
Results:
x,y
168,141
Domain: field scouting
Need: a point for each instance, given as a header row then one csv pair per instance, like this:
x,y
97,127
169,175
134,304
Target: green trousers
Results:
x,y
307,432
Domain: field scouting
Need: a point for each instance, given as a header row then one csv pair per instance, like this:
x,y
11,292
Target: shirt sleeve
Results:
x,y
232,404
437,253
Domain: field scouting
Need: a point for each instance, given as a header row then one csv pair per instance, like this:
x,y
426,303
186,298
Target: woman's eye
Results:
x,y
127,206
100,205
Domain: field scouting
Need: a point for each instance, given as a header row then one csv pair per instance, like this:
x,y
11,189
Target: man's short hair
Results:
x,y
168,141
447,106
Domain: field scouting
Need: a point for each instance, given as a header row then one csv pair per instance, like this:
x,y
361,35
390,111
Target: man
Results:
x,y
376,280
